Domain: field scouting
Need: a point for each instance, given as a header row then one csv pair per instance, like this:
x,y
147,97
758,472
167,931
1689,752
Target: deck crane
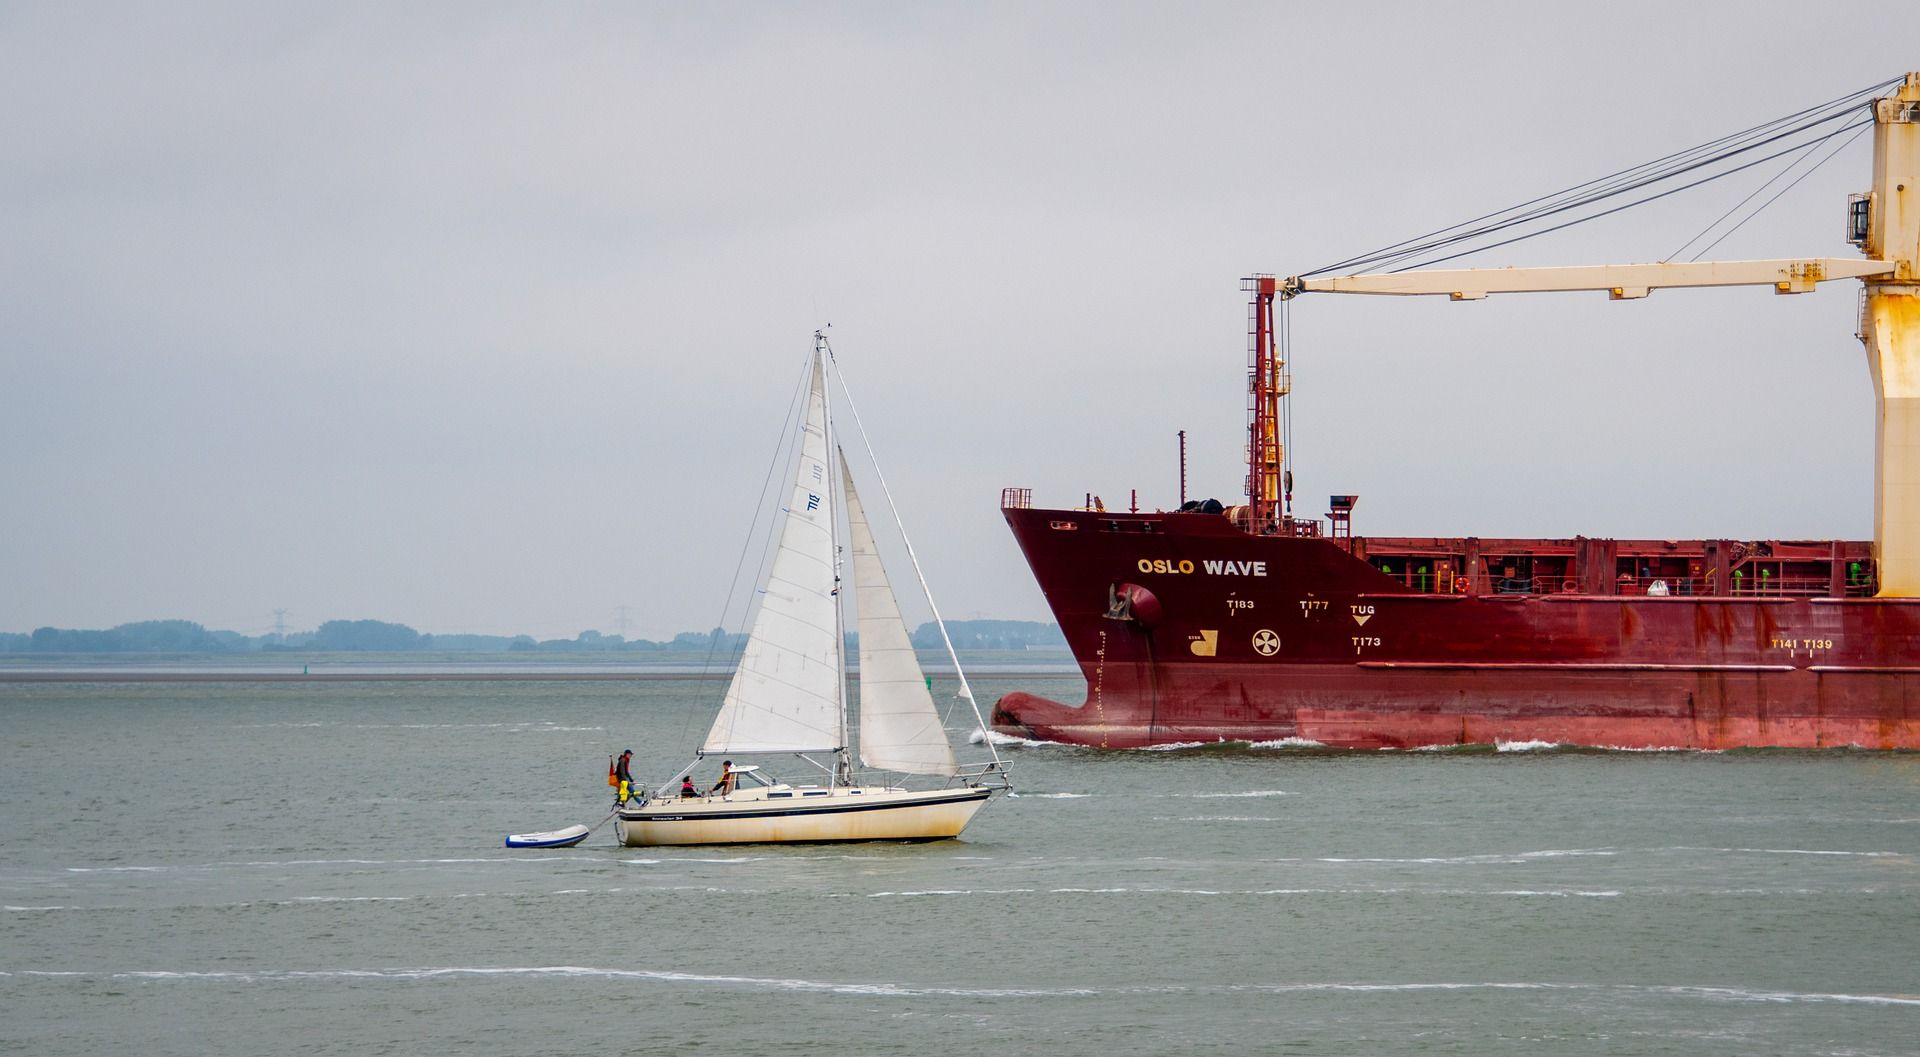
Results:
x,y
1884,223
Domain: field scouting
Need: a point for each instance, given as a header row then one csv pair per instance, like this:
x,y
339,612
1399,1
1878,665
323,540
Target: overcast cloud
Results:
x,y
483,317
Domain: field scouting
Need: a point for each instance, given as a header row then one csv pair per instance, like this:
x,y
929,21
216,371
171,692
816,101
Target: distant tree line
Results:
x,y
990,635
185,636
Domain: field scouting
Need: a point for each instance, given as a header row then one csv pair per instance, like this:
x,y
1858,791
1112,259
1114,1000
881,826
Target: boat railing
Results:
x,y
1016,498
988,774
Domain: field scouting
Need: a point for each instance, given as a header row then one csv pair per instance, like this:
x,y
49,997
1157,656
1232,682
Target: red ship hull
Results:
x,y
1189,628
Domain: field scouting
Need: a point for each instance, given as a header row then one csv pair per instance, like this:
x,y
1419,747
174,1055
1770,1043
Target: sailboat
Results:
x,y
789,693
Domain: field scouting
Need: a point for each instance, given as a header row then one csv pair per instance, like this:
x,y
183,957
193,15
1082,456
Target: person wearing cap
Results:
x,y
623,771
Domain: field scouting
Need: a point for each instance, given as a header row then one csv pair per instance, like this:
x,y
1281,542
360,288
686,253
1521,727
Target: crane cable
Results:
x,y
1704,156
1776,195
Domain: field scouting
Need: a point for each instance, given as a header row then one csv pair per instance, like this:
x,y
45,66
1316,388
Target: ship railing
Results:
x,y
1016,498
1744,586
1440,579
1778,586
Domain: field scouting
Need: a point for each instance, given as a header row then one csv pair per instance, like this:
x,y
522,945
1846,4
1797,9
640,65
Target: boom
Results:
x,y
1620,281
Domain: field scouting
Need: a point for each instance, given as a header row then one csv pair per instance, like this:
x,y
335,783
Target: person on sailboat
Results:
x,y
727,779
687,791
624,773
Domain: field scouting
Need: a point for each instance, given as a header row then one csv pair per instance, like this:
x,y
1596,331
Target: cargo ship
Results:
x,y
1247,623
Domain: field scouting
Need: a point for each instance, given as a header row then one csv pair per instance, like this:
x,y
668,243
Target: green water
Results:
x,y
254,868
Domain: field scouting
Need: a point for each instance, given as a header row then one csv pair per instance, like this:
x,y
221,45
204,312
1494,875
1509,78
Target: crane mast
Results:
x,y
1884,222
1268,491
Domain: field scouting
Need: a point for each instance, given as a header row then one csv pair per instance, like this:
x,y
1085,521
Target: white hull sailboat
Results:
x,y
788,697
785,814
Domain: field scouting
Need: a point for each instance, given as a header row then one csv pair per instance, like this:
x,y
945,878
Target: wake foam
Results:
x,y
980,737
1492,858
899,990
1215,818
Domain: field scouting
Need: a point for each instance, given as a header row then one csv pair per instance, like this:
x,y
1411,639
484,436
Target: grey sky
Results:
x,y
483,317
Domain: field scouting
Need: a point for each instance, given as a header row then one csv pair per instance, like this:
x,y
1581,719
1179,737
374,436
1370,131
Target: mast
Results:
x,y
843,765
1266,384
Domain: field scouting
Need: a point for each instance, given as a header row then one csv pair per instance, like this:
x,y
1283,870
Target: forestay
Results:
x,y
785,695
899,727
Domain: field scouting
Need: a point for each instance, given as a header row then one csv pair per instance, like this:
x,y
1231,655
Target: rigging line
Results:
x,y
1762,207
1755,192
1723,155
1560,202
1491,229
1555,207
1595,185
1807,146
1840,103
1615,209
1609,212
966,690
746,545
1807,152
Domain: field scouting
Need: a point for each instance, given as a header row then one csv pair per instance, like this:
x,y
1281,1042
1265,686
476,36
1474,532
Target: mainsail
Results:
x,y
785,695
899,727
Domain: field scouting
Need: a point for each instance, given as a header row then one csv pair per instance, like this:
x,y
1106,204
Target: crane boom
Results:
x,y
1620,281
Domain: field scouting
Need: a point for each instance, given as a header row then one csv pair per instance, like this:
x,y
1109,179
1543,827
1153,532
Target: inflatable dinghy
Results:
x,y
559,838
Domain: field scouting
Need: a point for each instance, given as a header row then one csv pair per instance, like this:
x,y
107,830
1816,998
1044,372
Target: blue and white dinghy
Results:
x,y
558,838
